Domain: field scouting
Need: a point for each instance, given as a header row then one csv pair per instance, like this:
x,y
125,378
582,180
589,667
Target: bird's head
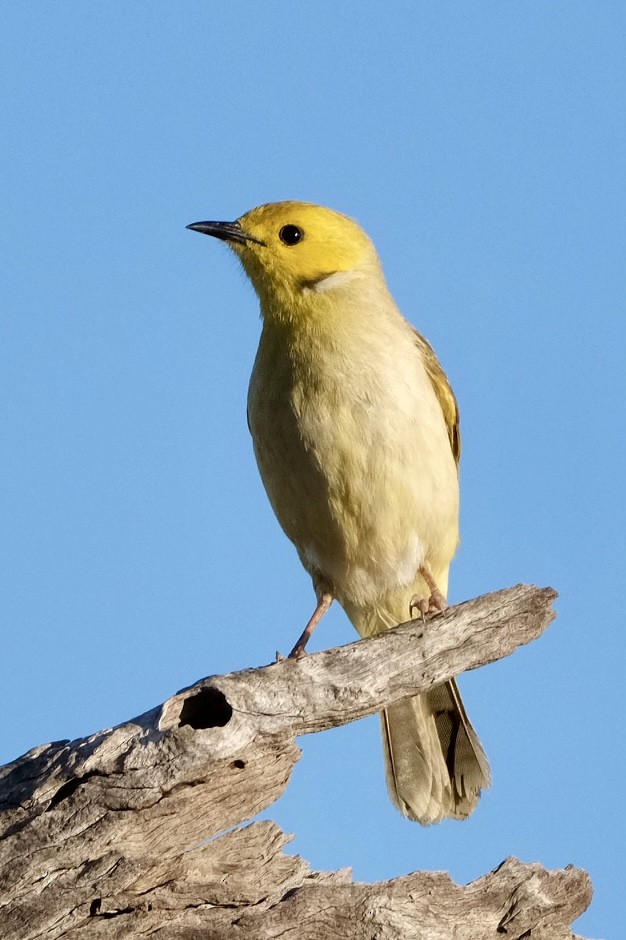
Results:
x,y
295,249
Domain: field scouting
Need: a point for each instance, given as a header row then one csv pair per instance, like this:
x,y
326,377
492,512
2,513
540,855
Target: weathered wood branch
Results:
x,y
108,836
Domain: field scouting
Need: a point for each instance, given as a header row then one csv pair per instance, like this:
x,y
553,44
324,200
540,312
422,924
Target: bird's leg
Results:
x,y
436,603
324,595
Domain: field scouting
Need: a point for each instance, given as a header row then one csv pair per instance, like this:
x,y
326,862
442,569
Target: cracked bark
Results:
x,y
125,833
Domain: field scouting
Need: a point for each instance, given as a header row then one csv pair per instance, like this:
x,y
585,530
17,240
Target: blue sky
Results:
x,y
482,147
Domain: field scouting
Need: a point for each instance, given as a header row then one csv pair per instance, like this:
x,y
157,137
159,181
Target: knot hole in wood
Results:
x,y
207,708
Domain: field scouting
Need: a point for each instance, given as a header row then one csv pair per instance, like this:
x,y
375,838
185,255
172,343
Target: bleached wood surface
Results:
x,y
123,833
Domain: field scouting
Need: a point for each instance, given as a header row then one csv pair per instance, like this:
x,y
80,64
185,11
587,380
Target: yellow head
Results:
x,y
292,248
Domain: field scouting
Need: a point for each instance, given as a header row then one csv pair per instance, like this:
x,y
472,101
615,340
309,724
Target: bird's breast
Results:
x,y
354,455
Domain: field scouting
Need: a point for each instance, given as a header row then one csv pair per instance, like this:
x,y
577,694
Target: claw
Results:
x,y
435,604
418,605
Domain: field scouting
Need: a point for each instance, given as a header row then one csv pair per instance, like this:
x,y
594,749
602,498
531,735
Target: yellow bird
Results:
x,y
356,435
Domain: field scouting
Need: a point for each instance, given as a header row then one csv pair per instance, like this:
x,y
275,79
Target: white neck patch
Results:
x,y
333,281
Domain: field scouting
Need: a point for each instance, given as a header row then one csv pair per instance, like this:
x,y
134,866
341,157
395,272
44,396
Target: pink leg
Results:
x,y
436,603
324,596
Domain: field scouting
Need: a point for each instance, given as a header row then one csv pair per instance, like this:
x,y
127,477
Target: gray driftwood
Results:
x,y
129,832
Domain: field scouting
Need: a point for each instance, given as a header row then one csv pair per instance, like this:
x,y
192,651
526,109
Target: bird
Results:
x,y
355,430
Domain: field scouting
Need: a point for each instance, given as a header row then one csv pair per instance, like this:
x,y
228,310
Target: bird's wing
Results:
x,y
444,393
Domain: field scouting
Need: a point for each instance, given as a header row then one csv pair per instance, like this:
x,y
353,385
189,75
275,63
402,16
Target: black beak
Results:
x,y
227,231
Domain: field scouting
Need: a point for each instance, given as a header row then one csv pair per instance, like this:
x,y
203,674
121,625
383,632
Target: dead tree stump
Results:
x,y
123,834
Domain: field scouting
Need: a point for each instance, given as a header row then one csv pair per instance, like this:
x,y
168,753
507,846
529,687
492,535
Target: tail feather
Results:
x,y
435,764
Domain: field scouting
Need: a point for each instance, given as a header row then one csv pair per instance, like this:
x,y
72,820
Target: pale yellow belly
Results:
x,y
363,483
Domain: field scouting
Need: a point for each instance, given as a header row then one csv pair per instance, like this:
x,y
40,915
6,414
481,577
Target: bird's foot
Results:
x,y
436,602
423,607
299,651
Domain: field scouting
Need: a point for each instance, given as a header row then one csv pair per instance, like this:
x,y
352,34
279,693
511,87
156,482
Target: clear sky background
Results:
x,y
481,145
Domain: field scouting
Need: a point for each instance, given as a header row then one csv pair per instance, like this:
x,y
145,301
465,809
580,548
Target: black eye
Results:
x,y
291,234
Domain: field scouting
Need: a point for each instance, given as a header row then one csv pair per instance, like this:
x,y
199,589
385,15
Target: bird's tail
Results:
x,y
434,762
